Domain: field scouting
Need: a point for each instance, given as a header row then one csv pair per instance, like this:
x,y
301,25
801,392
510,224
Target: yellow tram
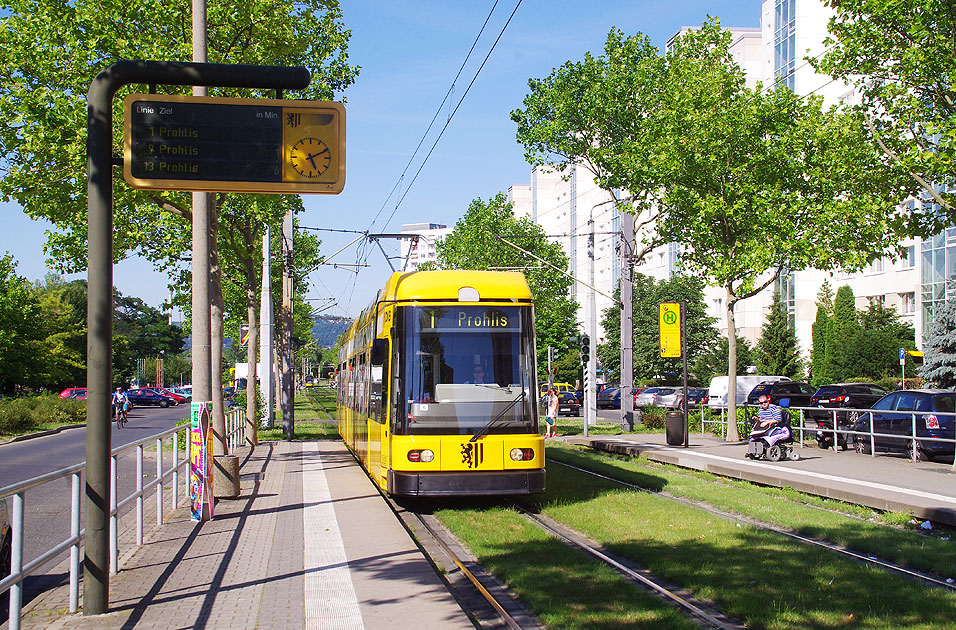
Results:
x,y
436,386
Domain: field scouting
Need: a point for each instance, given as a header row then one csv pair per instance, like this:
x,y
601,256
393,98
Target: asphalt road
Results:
x,y
47,507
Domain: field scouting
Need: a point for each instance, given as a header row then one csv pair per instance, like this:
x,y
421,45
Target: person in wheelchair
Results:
x,y
771,433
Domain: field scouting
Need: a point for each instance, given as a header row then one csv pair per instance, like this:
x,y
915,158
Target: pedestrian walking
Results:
x,y
551,415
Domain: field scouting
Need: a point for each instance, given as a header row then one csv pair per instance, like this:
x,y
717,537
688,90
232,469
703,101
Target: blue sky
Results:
x,y
410,53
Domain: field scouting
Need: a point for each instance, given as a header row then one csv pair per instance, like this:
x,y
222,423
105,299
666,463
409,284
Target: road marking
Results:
x,y
330,601
807,473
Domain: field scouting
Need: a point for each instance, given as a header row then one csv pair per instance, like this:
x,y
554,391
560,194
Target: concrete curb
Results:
x,y
30,436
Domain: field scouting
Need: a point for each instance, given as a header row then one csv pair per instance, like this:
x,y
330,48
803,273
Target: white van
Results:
x,y
745,384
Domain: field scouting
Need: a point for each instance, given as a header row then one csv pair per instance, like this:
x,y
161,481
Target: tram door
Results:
x,y
378,411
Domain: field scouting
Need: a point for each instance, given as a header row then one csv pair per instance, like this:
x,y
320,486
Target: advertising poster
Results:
x,y
200,462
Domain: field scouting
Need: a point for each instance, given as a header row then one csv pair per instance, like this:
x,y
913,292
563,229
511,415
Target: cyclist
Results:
x,y
120,407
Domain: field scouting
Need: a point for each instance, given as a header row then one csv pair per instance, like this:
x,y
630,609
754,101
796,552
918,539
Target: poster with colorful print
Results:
x,y
200,462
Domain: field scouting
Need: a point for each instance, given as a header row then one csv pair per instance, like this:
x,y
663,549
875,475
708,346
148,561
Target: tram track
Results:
x,y
484,598
869,560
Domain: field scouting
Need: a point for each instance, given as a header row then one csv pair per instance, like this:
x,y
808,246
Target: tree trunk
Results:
x,y
732,434
220,445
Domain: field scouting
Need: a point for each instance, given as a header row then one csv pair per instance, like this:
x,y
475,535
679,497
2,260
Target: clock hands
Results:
x,y
311,157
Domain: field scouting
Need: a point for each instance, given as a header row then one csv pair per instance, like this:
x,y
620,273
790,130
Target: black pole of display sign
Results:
x,y
99,165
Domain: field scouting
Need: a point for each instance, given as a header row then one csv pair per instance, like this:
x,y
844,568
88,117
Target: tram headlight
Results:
x,y
422,455
522,454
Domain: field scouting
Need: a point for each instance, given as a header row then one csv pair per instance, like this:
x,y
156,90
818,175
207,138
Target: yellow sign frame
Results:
x,y
670,327
317,124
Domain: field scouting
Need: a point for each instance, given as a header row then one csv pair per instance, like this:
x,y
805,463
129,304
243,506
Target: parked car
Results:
x,y
609,398
853,396
69,391
696,396
78,393
188,395
659,396
718,394
179,398
798,393
561,387
893,415
149,397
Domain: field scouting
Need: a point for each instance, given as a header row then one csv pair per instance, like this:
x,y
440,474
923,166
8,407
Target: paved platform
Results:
x,y
885,482
309,543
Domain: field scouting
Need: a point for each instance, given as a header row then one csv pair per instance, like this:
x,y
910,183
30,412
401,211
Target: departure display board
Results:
x,y
213,144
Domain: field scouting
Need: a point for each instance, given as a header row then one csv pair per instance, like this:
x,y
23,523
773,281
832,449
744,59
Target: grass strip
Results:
x,y
564,588
786,508
759,577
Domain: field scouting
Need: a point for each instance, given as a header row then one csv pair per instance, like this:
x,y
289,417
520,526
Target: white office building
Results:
x,y
563,204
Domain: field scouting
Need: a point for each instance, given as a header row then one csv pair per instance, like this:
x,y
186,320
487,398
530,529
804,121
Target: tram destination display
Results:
x,y
233,145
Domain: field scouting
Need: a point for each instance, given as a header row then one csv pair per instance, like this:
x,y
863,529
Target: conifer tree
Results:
x,y
777,351
939,348
841,336
818,364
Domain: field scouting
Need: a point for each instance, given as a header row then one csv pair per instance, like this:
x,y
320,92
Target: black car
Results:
x,y
568,404
849,396
894,417
798,393
697,396
149,397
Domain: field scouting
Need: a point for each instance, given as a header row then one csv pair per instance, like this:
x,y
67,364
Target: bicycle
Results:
x,y
120,415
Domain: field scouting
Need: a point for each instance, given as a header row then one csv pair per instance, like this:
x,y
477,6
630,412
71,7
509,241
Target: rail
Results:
x,y
809,419
13,583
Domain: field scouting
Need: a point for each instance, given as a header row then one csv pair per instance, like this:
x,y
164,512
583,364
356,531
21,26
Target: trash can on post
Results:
x,y
674,428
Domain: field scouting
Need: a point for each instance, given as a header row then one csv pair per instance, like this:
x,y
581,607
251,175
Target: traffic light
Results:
x,y
585,348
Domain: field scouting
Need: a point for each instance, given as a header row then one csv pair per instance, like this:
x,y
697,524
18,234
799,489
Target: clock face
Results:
x,y
310,157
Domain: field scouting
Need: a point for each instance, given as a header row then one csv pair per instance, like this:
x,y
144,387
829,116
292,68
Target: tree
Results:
x,y
901,57
818,370
777,349
841,336
882,333
939,348
20,328
714,359
473,244
648,293
757,182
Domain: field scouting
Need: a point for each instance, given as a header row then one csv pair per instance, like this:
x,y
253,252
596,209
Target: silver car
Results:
x,y
658,396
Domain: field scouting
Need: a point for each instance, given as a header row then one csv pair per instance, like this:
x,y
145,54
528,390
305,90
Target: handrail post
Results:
x,y
75,549
159,481
914,446
176,470
16,562
139,495
114,518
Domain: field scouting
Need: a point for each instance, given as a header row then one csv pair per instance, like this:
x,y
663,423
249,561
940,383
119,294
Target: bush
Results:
x,y
21,415
653,417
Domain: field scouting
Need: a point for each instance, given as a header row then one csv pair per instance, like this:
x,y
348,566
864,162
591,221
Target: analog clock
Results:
x,y
310,157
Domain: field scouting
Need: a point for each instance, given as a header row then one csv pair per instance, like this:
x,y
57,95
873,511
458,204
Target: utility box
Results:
x,y
674,428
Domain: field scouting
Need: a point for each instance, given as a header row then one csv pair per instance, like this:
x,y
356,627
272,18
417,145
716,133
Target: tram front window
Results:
x,y
468,369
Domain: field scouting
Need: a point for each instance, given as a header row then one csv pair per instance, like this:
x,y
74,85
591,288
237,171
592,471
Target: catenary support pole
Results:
x,y
265,336
591,321
627,323
288,358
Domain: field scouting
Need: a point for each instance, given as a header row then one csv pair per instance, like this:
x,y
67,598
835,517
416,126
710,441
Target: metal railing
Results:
x,y
16,493
805,423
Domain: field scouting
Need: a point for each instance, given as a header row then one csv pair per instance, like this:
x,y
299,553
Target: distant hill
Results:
x,y
325,330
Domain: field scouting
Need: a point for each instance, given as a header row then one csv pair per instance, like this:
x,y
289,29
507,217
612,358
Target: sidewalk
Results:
x,y
885,482
309,543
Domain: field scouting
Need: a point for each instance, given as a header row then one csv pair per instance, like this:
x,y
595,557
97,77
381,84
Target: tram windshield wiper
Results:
x,y
491,422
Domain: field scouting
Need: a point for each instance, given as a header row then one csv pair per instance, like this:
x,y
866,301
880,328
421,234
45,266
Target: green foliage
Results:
x,y
713,360
841,337
21,330
901,57
473,244
818,353
777,350
939,348
20,415
648,293
653,417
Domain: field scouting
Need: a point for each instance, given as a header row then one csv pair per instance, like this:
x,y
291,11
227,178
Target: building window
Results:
x,y
784,46
784,285
909,303
909,258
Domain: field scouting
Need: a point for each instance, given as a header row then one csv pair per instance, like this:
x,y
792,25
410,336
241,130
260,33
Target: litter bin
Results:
x,y
674,428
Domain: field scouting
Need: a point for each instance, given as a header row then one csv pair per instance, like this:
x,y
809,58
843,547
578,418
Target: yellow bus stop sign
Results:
x,y
670,329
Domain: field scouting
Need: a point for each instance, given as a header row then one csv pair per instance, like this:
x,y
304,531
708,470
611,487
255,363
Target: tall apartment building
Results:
x,y
420,247
773,54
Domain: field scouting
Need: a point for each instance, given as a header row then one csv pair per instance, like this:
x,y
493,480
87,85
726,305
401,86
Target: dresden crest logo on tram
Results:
x,y
472,454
